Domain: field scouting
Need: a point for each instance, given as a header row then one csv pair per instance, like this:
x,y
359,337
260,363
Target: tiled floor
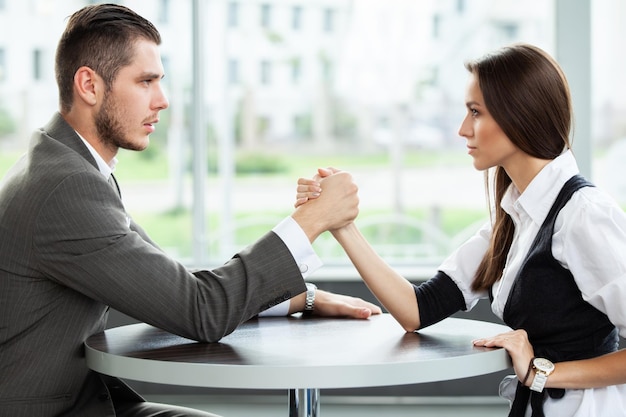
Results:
x,y
252,406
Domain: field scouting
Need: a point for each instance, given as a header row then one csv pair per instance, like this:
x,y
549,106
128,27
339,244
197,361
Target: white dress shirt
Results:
x,y
105,168
589,239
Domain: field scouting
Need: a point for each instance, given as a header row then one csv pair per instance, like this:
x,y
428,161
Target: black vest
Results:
x,y
546,302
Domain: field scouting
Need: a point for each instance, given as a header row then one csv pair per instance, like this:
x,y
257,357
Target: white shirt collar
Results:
x,y
540,194
103,167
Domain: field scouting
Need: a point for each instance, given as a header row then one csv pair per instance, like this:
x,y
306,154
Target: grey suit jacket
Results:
x,y
67,253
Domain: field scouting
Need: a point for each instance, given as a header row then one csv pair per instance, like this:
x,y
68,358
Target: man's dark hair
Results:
x,y
101,37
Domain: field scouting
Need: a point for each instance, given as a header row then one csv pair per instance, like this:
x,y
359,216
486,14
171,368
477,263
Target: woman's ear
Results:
x,y
86,85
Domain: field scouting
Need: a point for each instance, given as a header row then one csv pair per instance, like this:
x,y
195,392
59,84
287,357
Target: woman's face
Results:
x,y
486,142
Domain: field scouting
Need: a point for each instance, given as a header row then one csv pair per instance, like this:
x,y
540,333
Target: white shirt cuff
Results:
x,y
298,244
281,309
307,260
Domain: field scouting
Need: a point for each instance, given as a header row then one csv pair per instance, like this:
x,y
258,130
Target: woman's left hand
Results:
x,y
310,188
307,189
517,345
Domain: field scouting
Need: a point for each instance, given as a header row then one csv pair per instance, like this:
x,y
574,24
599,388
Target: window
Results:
x,y
329,20
264,126
233,14
164,11
508,30
379,86
327,70
460,6
296,17
302,126
233,71
37,65
266,72
296,70
266,15
3,67
436,26
167,68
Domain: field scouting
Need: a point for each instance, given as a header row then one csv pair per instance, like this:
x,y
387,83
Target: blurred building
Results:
x,y
270,63
28,32
324,72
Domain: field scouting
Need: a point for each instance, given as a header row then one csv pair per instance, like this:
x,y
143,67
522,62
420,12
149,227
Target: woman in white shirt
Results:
x,y
552,260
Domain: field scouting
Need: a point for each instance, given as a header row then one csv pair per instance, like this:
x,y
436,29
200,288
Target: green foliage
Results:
x,y
345,123
172,230
7,159
251,163
135,166
259,163
455,219
274,37
7,124
304,125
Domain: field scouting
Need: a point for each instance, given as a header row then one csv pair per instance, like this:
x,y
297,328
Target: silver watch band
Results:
x,y
309,302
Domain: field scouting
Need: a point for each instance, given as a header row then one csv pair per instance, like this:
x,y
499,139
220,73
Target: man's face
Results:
x,y
130,109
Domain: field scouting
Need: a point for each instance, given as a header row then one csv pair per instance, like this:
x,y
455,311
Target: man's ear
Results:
x,y
86,85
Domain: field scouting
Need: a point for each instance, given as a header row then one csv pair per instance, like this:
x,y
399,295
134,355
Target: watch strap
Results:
x,y
309,301
530,368
539,381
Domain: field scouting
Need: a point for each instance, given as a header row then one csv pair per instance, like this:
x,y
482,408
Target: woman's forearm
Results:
x,y
605,370
393,291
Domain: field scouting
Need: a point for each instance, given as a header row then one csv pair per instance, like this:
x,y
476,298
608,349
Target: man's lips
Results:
x,y
150,125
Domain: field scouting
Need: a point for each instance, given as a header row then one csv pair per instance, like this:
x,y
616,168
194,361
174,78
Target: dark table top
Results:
x,y
300,352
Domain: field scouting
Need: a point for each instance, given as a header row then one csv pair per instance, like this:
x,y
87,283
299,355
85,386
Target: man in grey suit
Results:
x,y
68,250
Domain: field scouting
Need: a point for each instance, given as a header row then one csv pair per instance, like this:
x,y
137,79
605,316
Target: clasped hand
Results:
x,y
333,202
335,194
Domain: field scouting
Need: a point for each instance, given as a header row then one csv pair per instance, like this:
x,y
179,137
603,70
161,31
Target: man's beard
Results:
x,y
110,128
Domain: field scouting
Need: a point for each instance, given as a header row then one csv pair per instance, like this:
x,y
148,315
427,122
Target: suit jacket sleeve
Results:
x,y
83,240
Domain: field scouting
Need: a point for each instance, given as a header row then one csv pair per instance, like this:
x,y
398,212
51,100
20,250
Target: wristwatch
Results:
x,y
543,368
310,298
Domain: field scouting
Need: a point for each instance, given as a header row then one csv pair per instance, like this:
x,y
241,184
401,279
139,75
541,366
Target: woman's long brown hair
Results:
x,y
527,94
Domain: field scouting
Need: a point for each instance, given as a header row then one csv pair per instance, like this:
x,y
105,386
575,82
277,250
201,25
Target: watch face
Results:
x,y
543,365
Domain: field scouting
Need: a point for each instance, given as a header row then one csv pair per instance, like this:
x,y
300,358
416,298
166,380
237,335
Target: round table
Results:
x,y
300,354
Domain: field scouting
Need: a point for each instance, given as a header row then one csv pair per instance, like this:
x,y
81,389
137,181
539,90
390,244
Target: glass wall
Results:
x,y
373,87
